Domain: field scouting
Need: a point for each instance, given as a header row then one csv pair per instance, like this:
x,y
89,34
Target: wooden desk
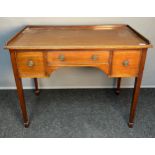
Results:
x,y
118,50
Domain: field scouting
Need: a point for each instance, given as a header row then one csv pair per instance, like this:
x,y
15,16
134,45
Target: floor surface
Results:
x,y
77,113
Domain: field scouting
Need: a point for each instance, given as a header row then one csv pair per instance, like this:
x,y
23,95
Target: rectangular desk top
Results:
x,y
78,37
118,50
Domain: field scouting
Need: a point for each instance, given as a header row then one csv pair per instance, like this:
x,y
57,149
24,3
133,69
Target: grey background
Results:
x,y
75,77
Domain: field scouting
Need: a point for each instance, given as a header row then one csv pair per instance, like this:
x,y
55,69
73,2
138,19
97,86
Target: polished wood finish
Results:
x,y
78,37
99,59
26,70
129,70
138,81
77,57
19,89
117,91
118,50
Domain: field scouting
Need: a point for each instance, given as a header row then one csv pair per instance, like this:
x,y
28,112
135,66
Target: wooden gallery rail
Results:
x,y
118,50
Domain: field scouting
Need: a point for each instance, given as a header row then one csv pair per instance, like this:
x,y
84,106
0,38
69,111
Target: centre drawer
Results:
x,y
77,57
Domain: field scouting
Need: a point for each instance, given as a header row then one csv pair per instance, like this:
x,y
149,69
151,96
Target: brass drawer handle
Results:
x,y
61,57
94,57
125,63
30,63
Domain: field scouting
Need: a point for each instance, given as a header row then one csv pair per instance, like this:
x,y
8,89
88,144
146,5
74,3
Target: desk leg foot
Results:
x,y
117,91
136,92
19,86
26,124
130,125
36,91
134,101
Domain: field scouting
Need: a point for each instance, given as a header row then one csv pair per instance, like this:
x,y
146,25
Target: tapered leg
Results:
x,y
137,85
36,87
134,101
117,91
19,89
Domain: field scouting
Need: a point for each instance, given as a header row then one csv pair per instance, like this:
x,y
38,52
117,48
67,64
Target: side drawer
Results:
x,y
30,64
125,63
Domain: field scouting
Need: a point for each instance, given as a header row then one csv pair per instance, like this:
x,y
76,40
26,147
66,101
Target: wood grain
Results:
x,y
133,58
78,37
37,70
19,89
103,61
118,50
137,85
76,57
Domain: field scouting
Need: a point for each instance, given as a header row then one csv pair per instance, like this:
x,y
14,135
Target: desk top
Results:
x,y
78,37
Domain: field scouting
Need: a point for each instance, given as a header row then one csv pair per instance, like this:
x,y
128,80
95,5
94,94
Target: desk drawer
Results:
x,y
125,63
30,64
77,57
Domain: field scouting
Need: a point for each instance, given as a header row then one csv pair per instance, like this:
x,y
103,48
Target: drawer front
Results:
x,y
77,57
125,63
30,64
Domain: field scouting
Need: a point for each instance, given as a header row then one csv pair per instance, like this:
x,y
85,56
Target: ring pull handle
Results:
x,y
61,57
125,63
30,63
94,57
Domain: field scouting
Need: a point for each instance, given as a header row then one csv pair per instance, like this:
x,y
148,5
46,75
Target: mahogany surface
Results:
x,y
77,37
118,50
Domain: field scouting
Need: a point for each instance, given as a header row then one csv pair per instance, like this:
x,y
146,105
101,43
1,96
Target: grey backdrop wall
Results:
x,y
74,77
